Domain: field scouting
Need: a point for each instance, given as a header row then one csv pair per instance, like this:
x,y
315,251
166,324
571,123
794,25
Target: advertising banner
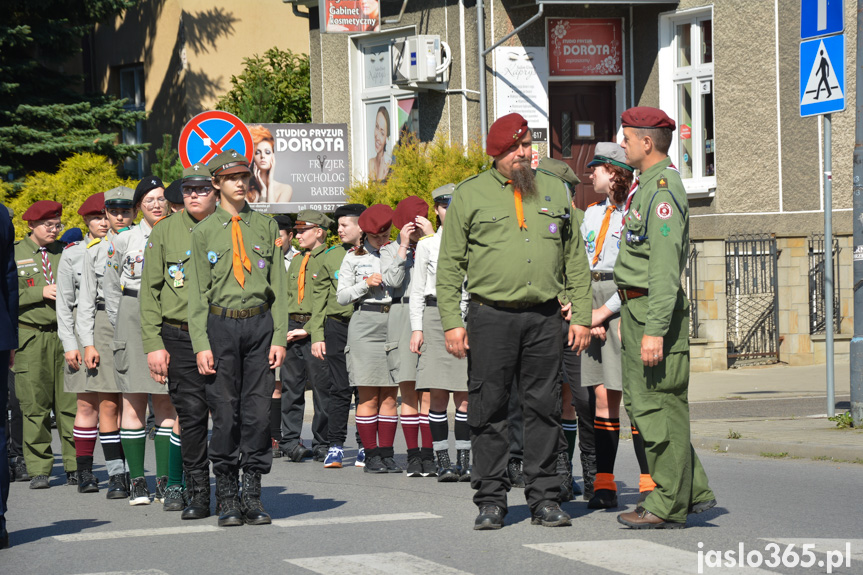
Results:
x,y
585,46
520,85
350,16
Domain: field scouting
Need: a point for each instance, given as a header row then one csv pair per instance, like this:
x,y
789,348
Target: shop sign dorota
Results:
x,y
585,46
348,16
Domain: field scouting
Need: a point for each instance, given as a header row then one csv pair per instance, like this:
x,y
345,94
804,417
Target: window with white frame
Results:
x,y
132,90
384,111
686,92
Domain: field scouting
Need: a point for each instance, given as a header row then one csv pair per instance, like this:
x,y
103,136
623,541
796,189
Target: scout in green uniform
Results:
x,y
164,323
238,325
655,324
510,232
328,327
39,357
300,365
69,275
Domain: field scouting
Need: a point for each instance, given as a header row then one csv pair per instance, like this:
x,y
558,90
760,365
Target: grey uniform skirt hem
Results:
x,y
401,360
600,362
365,352
438,369
130,362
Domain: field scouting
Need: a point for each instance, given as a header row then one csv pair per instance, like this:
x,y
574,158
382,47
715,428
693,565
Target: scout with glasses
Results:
x,y
238,326
39,357
171,361
122,282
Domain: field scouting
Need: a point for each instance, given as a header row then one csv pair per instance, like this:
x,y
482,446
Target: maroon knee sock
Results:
x,y
85,440
387,425
367,427
411,427
425,430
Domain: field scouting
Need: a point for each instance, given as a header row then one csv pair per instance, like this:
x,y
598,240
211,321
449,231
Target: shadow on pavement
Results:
x,y
65,527
282,504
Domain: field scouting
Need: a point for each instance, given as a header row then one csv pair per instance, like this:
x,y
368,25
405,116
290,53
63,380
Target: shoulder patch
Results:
x,y
662,182
425,237
69,245
279,241
94,242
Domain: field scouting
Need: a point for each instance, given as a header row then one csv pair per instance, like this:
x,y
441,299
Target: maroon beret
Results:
x,y
646,117
376,219
506,131
92,206
43,210
408,209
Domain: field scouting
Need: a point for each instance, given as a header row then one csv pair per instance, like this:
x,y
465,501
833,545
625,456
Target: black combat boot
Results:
x,y
87,482
228,492
588,473
253,510
198,488
446,473
463,464
564,472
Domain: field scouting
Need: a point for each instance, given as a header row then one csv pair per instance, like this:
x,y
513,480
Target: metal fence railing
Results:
x,y
817,287
690,286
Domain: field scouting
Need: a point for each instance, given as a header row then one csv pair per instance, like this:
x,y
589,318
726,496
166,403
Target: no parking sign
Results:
x,y
210,133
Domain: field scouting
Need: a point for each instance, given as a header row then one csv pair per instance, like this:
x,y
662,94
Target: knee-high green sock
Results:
x,y
570,428
162,444
133,441
175,461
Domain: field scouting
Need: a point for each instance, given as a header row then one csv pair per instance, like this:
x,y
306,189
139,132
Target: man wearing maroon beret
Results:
x,y
39,358
510,231
655,324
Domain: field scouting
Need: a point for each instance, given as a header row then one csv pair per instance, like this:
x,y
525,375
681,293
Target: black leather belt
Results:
x,y
601,276
100,306
239,313
340,319
180,326
45,328
379,307
130,292
431,301
300,317
405,299
504,304
631,293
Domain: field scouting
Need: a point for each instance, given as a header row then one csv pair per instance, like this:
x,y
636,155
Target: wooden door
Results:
x,y
580,115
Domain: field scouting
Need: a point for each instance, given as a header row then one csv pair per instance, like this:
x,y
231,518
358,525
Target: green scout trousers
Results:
x,y
657,402
39,386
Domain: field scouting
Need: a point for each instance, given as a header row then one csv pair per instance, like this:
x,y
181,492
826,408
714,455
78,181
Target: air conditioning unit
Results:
x,y
421,62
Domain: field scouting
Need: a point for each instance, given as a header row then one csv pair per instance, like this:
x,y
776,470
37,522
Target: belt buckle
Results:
x,y
385,309
596,276
243,313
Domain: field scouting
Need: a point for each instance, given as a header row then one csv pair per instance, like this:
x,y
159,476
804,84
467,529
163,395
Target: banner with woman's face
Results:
x,y
298,166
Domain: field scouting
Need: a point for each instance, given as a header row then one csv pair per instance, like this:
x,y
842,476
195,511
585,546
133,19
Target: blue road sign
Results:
x,y
822,75
209,134
821,18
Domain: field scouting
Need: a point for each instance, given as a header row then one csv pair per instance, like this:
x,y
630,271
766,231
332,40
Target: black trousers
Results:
x,y
188,391
239,394
584,401
504,343
299,367
336,337
516,423
15,429
4,468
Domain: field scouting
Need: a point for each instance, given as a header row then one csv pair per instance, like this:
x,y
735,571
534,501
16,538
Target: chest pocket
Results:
x,y
134,263
552,220
489,227
177,261
223,259
634,231
29,274
260,254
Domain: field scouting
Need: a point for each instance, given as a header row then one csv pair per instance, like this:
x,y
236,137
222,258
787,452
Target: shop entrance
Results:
x,y
580,115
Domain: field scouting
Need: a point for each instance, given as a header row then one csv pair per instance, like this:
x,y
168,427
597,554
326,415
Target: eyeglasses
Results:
x,y
201,192
443,201
53,227
150,201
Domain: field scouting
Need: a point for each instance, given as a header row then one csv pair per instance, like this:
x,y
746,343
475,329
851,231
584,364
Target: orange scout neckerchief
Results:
x,y
519,207
301,281
602,231
241,260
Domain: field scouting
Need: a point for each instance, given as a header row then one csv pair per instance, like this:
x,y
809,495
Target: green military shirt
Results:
x,y
33,308
653,255
164,282
211,278
502,262
312,267
324,292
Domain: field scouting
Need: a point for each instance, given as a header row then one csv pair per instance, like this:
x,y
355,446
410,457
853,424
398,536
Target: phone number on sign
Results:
x,y
773,556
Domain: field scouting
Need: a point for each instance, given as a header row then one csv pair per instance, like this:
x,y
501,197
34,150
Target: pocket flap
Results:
x,y
491,216
118,345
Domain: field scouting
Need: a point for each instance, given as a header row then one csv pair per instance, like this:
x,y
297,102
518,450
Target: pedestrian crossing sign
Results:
x,y
822,75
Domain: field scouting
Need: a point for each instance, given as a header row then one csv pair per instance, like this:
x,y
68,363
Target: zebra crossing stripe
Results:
x,y
143,572
634,556
391,563
353,519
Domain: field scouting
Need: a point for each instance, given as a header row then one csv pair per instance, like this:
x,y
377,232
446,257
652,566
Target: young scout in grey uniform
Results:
x,y
300,365
438,372
510,233
71,269
397,263
329,333
39,358
238,325
655,324
122,284
96,335
361,284
164,323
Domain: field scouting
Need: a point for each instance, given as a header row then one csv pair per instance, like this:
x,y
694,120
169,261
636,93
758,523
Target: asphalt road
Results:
x,y
346,521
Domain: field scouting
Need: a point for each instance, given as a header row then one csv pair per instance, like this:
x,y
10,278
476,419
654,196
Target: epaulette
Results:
x,y
160,219
331,248
94,242
425,237
465,181
595,204
121,230
69,245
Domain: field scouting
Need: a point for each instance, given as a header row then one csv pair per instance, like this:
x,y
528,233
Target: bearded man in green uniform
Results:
x,y
655,324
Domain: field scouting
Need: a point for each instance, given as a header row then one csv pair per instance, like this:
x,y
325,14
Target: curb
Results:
x,y
792,448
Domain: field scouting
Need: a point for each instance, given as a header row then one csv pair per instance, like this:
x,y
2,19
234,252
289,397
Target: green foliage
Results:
x,y
44,114
420,167
167,167
274,88
774,455
79,177
843,420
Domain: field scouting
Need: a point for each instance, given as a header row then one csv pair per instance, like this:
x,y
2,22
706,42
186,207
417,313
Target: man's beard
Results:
x,y
523,179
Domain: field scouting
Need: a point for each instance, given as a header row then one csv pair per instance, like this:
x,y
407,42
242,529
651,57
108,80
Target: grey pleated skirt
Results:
x,y
365,351
401,360
130,361
102,378
437,369
75,381
600,362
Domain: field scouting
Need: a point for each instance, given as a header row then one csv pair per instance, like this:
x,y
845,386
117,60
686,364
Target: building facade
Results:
x,y
726,71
